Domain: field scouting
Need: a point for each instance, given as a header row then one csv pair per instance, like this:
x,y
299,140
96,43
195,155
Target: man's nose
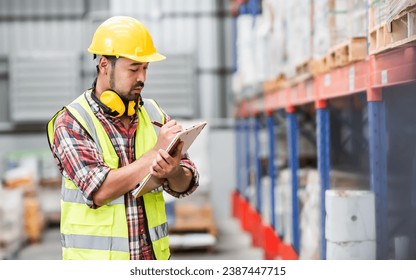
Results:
x,y
141,75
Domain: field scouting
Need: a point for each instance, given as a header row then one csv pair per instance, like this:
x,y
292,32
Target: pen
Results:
x,y
157,123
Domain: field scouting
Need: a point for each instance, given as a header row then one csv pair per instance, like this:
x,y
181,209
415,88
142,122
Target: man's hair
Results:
x,y
113,60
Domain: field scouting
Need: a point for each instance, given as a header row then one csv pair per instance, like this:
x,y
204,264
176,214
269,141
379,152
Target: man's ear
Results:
x,y
104,64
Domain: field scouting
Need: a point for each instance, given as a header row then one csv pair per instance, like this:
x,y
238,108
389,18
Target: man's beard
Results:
x,y
129,96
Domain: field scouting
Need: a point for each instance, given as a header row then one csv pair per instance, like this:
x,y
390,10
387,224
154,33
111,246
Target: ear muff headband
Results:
x,y
115,106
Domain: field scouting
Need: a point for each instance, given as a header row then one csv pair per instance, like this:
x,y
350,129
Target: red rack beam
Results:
x,y
382,70
343,81
394,68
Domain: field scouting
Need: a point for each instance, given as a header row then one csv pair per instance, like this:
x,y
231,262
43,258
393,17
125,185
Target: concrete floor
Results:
x,y
232,244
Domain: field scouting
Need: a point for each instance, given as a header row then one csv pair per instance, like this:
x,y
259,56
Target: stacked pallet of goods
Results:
x,y
24,176
391,24
339,34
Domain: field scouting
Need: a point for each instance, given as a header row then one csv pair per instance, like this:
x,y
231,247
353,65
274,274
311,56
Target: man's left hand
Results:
x,y
167,166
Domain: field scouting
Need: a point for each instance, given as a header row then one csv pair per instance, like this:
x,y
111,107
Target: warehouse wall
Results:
x,y
190,33
193,83
223,169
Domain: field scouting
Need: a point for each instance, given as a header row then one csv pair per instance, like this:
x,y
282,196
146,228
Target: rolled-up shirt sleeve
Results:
x,y
78,157
185,162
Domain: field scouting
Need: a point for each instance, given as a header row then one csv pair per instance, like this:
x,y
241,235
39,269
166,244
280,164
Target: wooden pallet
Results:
x,y
319,66
34,221
276,84
351,50
191,218
401,31
303,71
193,222
303,68
51,182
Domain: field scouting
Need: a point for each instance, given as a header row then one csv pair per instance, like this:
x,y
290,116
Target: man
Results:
x,y
105,144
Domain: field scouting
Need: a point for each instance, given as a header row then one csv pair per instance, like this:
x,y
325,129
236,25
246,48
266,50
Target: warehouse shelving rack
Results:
x,y
374,74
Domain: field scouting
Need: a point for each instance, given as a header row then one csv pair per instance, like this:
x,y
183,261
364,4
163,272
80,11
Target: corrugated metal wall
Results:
x,y
36,38
193,34
36,34
41,35
42,83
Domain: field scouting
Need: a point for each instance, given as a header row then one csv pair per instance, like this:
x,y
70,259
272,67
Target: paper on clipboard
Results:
x,y
187,136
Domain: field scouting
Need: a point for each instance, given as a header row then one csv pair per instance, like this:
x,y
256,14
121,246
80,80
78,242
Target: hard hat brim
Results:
x,y
144,58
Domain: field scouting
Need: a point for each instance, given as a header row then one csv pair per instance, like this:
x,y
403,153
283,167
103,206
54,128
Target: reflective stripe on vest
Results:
x,y
158,232
107,243
89,122
75,196
110,243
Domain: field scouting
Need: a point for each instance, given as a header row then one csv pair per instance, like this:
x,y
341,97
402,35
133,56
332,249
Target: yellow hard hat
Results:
x,y
124,36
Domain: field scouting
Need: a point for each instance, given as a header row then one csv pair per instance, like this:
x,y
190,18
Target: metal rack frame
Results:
x,y
379,71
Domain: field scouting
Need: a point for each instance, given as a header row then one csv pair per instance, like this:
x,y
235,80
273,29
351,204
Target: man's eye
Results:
x,y
133,70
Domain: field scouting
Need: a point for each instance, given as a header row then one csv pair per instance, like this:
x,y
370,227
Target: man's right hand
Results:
x,y
166,134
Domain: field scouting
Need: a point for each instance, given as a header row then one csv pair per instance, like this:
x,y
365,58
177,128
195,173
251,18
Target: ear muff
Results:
x,y
115,105
114,102
131,108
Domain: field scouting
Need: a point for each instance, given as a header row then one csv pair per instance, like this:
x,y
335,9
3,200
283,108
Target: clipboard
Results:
x,y
187,136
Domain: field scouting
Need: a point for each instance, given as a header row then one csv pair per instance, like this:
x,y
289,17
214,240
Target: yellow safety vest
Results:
x,y
102,234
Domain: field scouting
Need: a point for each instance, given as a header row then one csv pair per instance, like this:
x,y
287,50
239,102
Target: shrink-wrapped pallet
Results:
x,y
337,21
310,226
299,32
347,19
383,11
284,206
358,250
377,13
246,74
321,32
11,221
395,7
278,44
350,224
